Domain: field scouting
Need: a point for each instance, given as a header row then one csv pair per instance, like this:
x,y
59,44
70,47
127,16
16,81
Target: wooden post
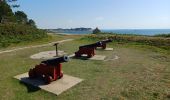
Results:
x,y
56,45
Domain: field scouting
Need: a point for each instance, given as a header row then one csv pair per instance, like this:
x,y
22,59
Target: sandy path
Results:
x,y
36,46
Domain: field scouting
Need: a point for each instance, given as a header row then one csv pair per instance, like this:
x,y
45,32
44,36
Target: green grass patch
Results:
x,y
160,42
140,73
163,35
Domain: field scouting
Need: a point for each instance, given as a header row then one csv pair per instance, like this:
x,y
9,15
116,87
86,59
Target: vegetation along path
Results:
x,y
7,51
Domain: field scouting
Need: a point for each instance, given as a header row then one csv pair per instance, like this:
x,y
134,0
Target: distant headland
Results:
x,y
68,30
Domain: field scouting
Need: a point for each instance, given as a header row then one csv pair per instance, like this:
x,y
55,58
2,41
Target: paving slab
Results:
x,y
112,57
56,87
71,56
47,54
109,49
95,57
98,57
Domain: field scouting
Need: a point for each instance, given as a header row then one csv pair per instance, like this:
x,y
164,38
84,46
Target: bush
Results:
x,y
16,33
160,42
163,35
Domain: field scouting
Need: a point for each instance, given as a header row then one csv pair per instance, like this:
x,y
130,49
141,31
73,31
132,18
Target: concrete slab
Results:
x,y
56,87
95,57
98,57
109,49
112,57
47,54
71,56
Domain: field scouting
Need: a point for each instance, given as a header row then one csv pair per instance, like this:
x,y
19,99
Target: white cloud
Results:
x,y
99,18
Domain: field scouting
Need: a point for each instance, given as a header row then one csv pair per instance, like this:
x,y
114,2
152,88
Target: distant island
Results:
x,y
68,30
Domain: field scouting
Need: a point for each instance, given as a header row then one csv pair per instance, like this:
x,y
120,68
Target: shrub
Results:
x,y
153,41
163,35
16,33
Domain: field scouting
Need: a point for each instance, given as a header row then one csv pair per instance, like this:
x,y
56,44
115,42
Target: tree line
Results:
x,y
15,27
7,16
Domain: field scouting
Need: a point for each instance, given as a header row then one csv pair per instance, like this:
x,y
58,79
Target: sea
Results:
x,y
149,32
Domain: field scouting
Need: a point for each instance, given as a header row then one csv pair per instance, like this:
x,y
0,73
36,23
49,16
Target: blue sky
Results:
x,y
105,14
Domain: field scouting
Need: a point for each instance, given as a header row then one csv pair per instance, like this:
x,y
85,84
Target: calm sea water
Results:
x,y
125,31
140,31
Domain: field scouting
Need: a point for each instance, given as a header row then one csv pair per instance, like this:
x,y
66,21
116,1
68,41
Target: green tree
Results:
x,y
11,1
21,17
95,31
6,14
7,0
31,23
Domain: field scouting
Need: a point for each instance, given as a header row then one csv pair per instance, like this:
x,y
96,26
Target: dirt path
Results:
x,y
36,46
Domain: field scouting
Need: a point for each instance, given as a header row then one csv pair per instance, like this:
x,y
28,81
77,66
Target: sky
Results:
x,y
105,14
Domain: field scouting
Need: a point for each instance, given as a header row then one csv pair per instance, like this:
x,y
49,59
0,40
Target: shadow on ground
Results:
x,y
81,58
30,88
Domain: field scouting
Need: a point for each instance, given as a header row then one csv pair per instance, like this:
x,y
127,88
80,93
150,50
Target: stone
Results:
x,y
55,87
98,57
47,55
95,57
109,49
111,58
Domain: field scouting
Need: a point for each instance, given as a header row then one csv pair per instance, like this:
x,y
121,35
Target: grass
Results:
x,y
141,73
160,42
50,38
163,35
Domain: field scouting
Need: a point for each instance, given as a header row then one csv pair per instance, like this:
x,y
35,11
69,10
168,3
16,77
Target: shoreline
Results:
x,y
65,34
148,32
